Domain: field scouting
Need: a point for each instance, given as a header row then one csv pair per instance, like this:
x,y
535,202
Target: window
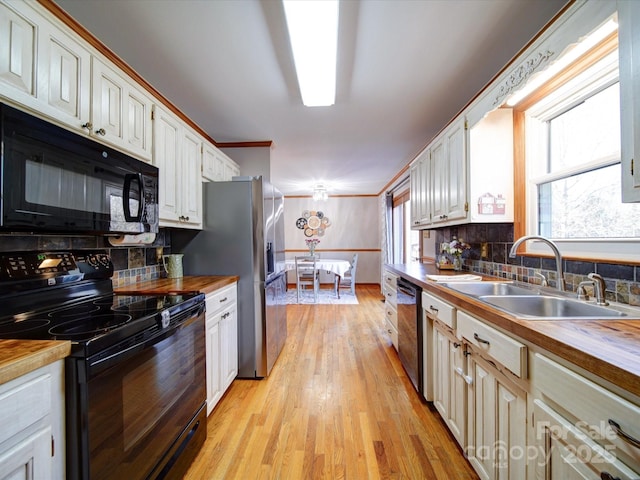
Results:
x,y
406,248
573,178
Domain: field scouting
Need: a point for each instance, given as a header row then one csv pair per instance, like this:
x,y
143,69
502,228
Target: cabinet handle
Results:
x,y
225,315
433,309
389,331
102,132
608,476
467,379
622,434
456,344
466,353
87,126
481,340
223,299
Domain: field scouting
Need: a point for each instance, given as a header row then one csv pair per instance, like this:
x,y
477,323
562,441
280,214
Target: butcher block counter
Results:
x,y
609,349
18,357
197,283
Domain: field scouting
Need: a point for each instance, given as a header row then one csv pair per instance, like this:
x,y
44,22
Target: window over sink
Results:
x,y
570,170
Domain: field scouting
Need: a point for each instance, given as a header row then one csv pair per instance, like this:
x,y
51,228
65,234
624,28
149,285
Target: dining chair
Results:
x,y
307,275
348,280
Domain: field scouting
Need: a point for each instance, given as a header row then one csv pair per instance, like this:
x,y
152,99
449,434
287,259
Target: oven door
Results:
x,y
141,410
54,180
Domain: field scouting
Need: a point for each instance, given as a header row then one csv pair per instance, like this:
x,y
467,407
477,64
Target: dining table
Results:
x,y
331,265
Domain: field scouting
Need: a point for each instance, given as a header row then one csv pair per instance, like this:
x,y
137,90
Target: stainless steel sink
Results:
x,y
478,289
542,307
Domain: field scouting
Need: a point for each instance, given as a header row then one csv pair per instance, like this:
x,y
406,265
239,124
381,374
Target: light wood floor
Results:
x,y
337,405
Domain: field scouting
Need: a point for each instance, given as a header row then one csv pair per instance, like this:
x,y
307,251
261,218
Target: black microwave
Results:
x,y
57,181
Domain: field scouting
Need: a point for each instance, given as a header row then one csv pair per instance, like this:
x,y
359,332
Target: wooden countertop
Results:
x,y
197,283
18,357
609,349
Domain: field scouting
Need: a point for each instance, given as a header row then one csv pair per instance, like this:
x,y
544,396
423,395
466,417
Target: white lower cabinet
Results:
x,y
32,442
581,429
517,413
391,306
449,387
497,413
221,342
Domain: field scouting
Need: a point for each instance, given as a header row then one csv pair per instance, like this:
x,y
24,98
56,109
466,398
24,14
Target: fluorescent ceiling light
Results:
x,y
578,50
313,31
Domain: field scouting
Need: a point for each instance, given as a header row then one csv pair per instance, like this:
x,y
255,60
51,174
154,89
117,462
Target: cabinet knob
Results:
x,y
102,132
87,126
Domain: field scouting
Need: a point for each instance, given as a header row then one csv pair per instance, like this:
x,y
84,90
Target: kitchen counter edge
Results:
x,y
608,349
19,357
175,286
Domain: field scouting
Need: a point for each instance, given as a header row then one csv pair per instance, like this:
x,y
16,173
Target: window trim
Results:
x,y
615,250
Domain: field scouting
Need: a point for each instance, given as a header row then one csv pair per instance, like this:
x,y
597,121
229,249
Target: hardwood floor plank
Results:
x,y
337,405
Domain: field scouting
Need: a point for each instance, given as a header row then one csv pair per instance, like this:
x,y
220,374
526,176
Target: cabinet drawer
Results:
x,y
393,333
390,280
507,351
390,296
436,308
221,298
23,402
592,406
391,315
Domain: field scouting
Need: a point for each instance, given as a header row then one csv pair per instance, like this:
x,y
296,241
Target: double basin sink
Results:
x,y
533,303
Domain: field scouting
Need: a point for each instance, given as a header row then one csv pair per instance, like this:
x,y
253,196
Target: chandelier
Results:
x,y
320,193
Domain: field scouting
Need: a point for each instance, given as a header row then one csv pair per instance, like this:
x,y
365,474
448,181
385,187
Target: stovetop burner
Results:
x,y
87,328
74,300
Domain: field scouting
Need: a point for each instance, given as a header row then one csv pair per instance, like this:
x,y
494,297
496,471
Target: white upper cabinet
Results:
x,y
629,51
178,155
120,112
439,179
216,166
18,38
420,175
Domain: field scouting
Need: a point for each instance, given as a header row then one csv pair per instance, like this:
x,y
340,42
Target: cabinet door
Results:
x,y
439,182
191,182
166,132
229,346
107,103
496,424
456,178
64,79
441,369
214,382
29,459
208,161
231,169
18,35
415,193
120,113
629,52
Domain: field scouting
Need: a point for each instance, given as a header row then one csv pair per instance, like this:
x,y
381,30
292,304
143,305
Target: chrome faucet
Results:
x,y
561,284
598,287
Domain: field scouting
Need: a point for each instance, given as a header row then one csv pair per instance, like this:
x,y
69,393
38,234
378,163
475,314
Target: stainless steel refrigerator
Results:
x,y
244,235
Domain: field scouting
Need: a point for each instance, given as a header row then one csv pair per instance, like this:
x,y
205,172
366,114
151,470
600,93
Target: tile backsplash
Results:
x,y
623,281
131,264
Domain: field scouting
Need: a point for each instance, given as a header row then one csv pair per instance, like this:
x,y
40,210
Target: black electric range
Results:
x,y
135,379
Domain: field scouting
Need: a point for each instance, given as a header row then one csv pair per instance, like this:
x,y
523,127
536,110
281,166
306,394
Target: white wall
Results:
x,y
354,229
253,161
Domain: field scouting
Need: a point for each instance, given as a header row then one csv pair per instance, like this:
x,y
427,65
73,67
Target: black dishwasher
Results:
x,y
410,331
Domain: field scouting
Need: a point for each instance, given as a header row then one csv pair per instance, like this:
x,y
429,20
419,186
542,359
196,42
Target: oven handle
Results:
x,y
101,364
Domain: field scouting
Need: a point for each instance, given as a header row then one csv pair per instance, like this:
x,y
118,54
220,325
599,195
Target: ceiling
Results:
x,y
405,68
